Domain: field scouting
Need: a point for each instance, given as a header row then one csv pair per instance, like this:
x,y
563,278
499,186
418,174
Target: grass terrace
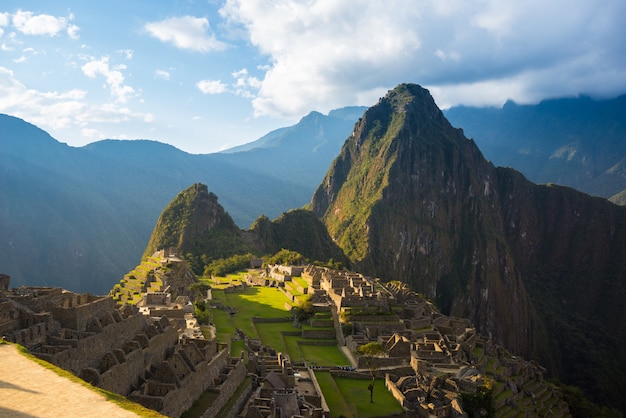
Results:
x,y
351,398
268,302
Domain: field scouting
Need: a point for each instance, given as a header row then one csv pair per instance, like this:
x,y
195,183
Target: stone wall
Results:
x,y
382,362
395,391
87,352
175,391
76,311
237,404
227,388
318,343
257,319
325,334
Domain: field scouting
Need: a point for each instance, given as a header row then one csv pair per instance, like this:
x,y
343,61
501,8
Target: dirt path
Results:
x,y
28,389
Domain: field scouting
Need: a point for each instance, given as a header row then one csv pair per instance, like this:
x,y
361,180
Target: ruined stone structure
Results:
x,y
431,359
5,280
147,359
281,392
345,289
161,360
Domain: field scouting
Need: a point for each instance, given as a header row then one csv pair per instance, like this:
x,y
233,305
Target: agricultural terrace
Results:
x,y
235,310
351,398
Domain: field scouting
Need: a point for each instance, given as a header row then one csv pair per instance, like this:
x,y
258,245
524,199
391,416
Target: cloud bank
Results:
x,y
29,23
325,54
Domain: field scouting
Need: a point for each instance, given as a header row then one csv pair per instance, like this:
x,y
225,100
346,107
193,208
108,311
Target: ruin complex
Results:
x,y
153,352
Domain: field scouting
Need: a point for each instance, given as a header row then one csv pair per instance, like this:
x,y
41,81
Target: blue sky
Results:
x,y
208,75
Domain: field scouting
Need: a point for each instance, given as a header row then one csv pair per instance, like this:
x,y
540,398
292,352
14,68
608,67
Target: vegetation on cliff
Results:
x,y
297,230
198,227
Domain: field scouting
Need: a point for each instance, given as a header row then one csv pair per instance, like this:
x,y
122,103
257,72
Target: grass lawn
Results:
x,y
334,398
267,302
350,397
324,355
271,334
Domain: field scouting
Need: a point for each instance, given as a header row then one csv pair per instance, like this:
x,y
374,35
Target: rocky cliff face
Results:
x,y
411,198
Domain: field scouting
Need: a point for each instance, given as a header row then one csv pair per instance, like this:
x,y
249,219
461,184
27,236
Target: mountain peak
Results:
x,y
192,223
411,198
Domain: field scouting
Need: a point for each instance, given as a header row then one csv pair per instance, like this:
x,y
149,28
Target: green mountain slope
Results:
x,y
411,198
194,223
198,229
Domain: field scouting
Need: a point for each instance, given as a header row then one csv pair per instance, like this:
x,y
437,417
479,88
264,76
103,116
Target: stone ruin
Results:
x,y
120,350
431,358
281,391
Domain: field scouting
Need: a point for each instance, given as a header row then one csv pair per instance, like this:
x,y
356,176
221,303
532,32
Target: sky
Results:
x,y
209,75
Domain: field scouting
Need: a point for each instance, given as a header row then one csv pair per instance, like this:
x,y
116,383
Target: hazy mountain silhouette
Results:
x,y
80,218
576,142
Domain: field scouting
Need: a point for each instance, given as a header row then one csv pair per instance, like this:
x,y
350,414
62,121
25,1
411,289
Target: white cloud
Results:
x,y
111,113
162,74
244,85
186,32
127,53
91,133
61,111
42,24
114,78
50,109
20,60
4,21
72,31
212,86
325,54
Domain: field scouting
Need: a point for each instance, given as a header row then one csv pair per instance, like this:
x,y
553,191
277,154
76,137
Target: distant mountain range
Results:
x,y
80,218
576,142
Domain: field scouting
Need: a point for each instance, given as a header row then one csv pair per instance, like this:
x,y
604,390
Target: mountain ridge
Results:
x,y
575,142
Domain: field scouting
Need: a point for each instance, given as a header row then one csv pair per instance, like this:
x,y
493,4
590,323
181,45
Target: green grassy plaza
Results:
x,y
345,396
351,398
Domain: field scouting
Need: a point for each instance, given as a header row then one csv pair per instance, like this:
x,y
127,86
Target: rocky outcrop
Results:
x,y
410,197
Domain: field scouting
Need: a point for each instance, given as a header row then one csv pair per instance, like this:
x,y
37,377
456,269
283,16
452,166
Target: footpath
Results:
x,y
30,390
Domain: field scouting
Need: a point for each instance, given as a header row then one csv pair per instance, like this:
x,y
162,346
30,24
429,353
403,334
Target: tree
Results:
x,y
304,311
370,351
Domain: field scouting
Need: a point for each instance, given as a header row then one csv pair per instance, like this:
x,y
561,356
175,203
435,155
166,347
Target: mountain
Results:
x,y
539,268
577,142
297,230
80,218
194,222
301,153
198,228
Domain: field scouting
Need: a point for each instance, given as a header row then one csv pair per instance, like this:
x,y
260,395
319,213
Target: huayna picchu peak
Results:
x,y
540,268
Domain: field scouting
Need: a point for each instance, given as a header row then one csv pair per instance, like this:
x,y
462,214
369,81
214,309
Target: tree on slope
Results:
x,y
370,351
